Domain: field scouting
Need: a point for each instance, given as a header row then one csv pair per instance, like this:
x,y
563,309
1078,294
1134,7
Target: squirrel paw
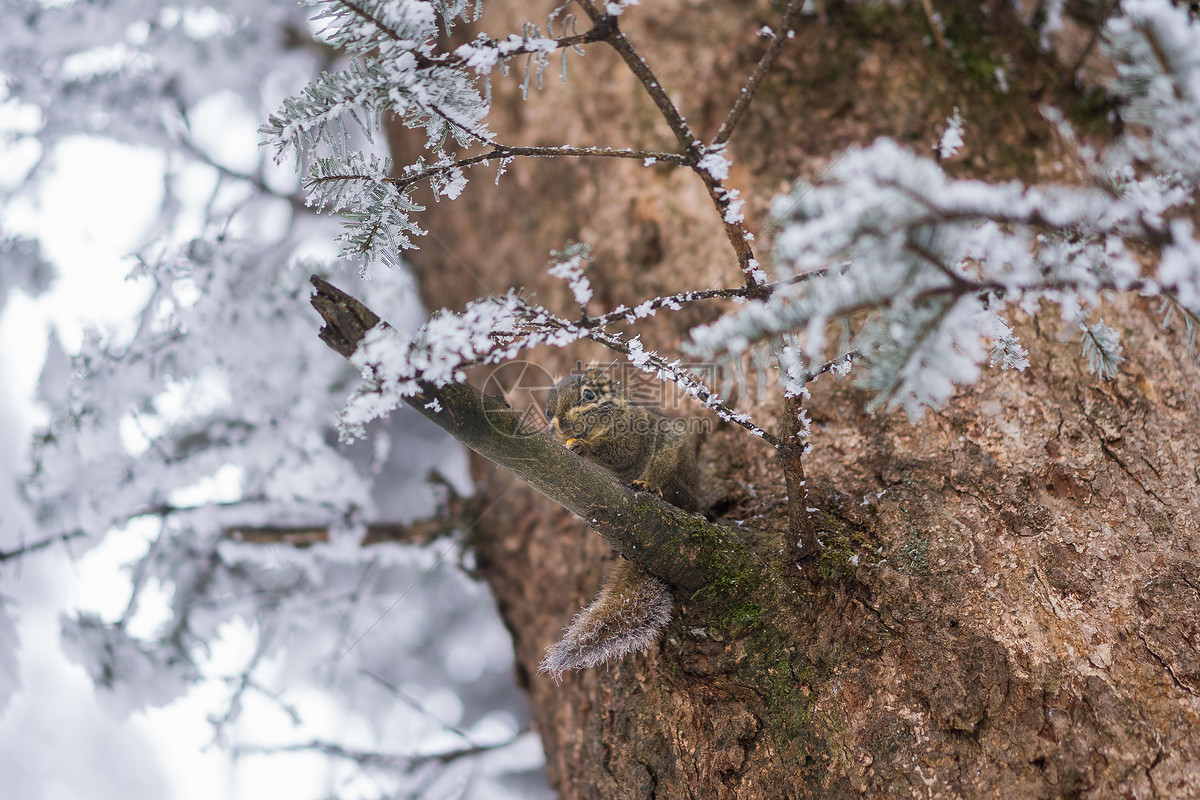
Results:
x,y
642,486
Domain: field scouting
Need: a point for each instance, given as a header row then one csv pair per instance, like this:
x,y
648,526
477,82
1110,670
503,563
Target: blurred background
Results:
x,y
185,607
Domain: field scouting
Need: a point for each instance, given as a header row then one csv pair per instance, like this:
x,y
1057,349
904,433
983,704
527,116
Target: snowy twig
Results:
x,y
374,758
655,364
786,31
672,301
935,25
501,152
420,708
839,364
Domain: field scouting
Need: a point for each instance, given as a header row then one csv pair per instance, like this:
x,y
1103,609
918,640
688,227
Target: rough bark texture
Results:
x,y
1022,620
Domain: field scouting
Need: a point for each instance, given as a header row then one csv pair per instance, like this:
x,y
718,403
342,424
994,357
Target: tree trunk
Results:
x,y
1006,600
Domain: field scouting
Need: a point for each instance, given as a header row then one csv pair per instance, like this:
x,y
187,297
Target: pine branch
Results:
x,y
375,20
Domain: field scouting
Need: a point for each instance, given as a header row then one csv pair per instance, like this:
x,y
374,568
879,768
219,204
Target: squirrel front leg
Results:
x,y
671,472
626,617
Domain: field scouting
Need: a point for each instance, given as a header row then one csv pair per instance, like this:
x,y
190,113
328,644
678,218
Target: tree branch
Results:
x,y
684,550
500,152
372,758
41,544
746,95
631,315
791,453
688,143
455,514
735,230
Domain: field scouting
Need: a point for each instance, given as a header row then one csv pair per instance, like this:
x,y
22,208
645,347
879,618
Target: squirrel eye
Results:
x,y
588,394
548,414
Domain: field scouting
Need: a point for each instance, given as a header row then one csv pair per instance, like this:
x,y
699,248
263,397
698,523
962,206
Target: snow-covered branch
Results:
x,y
786,31
395,68
639,526
931,262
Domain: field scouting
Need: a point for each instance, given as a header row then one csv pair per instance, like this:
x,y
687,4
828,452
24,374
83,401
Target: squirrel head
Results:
x,y
580,407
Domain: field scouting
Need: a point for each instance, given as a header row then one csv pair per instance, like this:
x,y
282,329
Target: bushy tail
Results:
x,y
626,617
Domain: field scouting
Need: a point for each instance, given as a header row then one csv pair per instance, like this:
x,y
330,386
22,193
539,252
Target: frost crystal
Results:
x,y
733,212
951,139
396,68
715,164
569,267
614,8
483,54
1102,349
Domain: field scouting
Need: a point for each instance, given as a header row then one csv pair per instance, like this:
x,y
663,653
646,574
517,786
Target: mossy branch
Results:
x,y
682,549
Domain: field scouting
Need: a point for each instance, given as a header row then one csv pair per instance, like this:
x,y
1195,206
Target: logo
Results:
x,y
523,385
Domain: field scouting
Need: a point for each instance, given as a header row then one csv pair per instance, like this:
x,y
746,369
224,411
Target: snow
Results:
x,y
938,259
733,211
615,8
715,164
483,54
1179,268
569,267
951,139
202,387
10,645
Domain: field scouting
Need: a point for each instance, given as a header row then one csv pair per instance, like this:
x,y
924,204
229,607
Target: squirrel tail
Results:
x,y
626,617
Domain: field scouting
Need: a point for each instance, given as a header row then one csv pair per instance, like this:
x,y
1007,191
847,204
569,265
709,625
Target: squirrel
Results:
x,y
651,453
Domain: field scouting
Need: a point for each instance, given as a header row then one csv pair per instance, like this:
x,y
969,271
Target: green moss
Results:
x,y
787,681
731,594
728,607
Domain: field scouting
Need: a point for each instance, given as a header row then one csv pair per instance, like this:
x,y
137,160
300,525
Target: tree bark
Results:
x,y
1006,600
